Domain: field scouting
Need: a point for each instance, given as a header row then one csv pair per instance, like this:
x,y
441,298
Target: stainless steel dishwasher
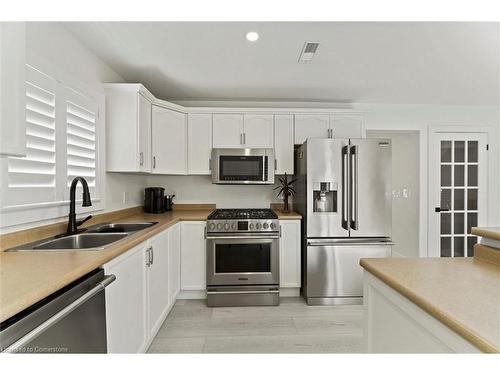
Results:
x,y
72,320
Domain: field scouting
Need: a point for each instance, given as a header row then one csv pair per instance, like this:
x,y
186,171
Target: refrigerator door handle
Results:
x,y
354,188
345,193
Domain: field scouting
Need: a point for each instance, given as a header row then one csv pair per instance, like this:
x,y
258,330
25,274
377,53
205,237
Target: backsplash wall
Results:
x,y
199,189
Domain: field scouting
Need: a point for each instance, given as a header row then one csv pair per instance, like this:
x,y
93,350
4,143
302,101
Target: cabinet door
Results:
x,y
193,255
311,126
258,131
290,254
346,126
144,124
126,302
158,281
169,141
283,143
227,130
174,263
199,143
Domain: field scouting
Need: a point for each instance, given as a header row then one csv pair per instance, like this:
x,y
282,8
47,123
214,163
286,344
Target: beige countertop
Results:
x,y
28,277
487,232
462,293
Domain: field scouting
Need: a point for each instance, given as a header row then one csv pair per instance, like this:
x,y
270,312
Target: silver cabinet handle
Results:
x,y
149,260
141,158
241,138
244,138
152,255
275,164
209,164
354,187
61,314
154,161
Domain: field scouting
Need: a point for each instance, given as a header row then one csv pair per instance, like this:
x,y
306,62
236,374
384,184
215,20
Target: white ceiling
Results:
x,y
435,63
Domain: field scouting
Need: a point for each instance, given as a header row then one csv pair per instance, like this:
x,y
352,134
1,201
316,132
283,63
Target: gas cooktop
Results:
x,y
242,213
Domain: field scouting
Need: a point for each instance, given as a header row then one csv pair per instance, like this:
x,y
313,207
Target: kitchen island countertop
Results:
x,y
462,293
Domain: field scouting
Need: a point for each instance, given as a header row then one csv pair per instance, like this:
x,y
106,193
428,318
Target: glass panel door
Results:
x,y
461,180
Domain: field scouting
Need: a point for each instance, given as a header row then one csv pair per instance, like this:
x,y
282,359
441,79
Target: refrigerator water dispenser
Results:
x,y
325,197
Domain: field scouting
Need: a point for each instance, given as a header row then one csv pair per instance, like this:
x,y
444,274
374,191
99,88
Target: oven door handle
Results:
x,y
260,237
245,292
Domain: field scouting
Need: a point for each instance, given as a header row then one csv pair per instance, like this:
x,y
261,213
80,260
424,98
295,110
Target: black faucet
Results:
x,y
72,223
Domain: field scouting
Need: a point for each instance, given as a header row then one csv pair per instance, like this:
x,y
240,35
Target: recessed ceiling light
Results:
x,y
252,36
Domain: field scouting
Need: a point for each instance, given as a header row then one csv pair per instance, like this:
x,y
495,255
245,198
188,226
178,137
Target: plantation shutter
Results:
x,y
32,179
81,146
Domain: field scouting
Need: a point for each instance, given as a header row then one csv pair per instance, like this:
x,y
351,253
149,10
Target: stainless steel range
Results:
x,y
242,257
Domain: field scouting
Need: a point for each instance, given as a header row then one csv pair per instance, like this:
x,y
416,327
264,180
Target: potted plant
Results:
x,y
286,190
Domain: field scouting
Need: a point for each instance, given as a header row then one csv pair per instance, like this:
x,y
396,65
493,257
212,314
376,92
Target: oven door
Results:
x,y
243,261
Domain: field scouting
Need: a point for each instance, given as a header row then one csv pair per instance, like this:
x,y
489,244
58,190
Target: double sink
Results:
x,y
97,237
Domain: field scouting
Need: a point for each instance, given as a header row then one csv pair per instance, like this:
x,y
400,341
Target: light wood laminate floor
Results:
x,y
291,327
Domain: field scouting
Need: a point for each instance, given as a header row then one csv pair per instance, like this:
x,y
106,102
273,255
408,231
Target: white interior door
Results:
x,y
458,167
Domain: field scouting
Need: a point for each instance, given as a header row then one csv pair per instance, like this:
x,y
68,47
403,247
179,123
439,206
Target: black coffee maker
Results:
x,y
154,200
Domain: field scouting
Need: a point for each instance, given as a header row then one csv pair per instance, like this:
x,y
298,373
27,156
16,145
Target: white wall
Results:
x,y
199,189
405,175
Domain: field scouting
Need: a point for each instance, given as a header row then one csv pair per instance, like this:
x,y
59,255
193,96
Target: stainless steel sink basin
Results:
x,y
120,227
85,241
97,237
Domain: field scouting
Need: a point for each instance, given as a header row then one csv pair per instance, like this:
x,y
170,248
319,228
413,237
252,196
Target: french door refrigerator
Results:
x,y
344,196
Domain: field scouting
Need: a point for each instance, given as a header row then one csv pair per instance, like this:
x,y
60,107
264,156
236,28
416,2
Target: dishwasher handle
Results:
x,y
60,315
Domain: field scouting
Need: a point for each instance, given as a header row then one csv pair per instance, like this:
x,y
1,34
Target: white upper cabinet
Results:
x,y
128,128
144,124
283,143
258,131
346,126
227,130
169,141
311,126
12,89
199,143
243,130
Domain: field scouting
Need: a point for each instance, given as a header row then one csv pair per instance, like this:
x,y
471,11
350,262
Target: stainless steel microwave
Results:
x,y
242,165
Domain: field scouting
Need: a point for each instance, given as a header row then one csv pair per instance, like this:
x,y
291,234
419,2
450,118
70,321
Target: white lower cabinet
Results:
x,y
146,287
193,256
126,297
290,263
174,263
158,277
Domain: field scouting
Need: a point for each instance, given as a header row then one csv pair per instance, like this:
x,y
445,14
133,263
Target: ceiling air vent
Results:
x,y
308,52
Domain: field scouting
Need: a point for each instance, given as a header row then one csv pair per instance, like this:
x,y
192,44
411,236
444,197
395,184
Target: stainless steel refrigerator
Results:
x,y
344,195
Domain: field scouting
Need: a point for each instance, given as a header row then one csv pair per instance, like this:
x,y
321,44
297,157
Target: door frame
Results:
x,y
489,133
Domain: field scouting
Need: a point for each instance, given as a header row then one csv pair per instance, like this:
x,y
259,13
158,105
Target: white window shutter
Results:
x,y
81,142
32,179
